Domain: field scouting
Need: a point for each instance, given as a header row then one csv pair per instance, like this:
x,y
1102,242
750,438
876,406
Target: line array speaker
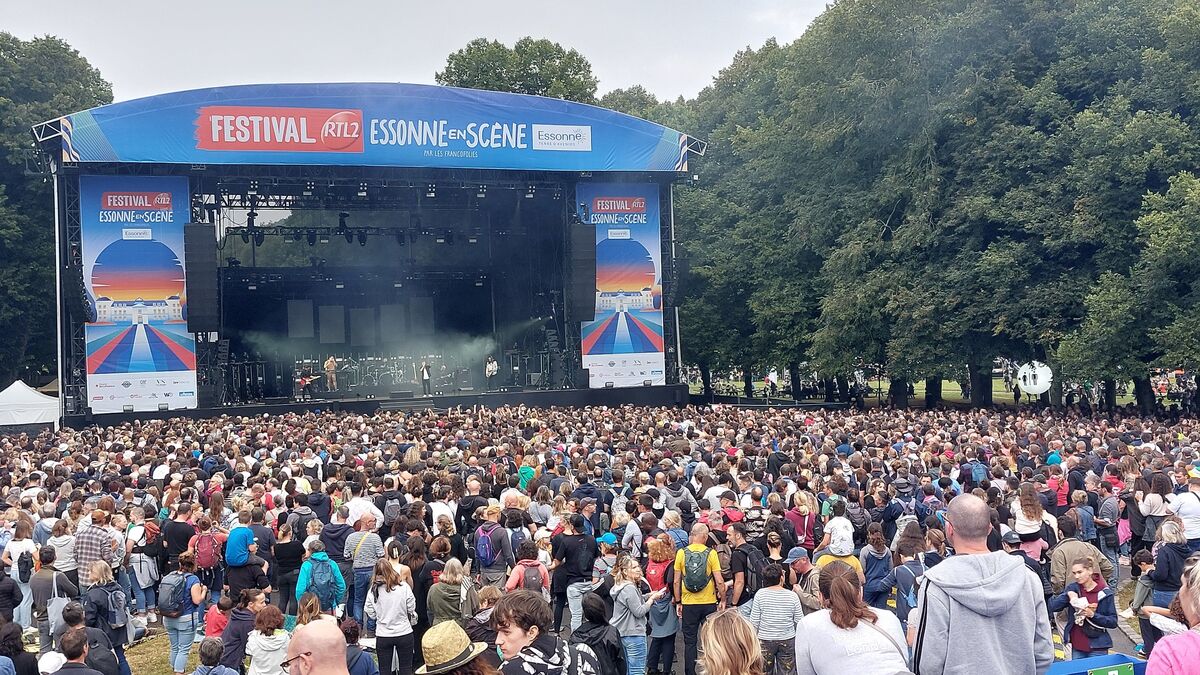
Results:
x,y
203,302
582,298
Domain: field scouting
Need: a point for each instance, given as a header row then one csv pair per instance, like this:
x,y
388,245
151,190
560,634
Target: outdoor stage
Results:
x,y
668,395
234,249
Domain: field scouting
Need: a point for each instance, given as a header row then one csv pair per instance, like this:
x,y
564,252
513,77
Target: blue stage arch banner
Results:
x,y
623,346
139,352
372,124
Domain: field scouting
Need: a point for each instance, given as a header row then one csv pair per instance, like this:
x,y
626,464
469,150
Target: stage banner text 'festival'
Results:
x,y
623,346
139,352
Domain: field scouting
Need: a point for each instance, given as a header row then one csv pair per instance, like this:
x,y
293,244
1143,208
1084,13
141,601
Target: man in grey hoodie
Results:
x,y
995,601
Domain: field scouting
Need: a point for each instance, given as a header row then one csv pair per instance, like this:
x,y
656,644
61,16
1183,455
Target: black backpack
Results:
x,y
25,567
756,562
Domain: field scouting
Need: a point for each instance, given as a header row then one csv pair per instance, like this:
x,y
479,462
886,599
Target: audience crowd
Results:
x,y
570,541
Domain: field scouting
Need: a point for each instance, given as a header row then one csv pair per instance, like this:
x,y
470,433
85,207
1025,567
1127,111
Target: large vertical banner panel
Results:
x,y
623,346
139,352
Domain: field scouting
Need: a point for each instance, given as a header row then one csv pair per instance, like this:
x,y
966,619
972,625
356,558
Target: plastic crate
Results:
x,y
1111,664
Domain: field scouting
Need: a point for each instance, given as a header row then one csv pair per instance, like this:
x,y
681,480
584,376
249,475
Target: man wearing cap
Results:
x,y
591,516
803,577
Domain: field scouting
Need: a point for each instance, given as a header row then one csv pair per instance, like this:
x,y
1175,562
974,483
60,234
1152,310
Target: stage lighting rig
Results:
x,y
530,192
431,191
362,237
311,236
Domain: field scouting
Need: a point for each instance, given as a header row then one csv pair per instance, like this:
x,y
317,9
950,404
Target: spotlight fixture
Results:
x,y
362,189
233,262
431,190
253,189
530,191
245,236
450,237
259,237
400,238
311,235
557,194
362,237
482,192
309,188
250,218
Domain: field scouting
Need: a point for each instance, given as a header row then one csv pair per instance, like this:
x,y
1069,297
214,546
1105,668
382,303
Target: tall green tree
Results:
x,y
538,67
40,79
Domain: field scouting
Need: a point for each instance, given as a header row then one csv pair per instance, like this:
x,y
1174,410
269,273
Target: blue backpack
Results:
x,y
979,472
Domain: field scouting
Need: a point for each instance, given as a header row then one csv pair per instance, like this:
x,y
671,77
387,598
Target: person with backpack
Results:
x,y
180,595
207,547
529,573
904,579
664,621
603,639
699,590
19,555
904,508
241,624
746,563
51,590
143,543
321,577
493,549
106,607
452,598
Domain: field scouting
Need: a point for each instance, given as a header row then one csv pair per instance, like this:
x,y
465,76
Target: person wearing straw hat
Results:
x,y
448,651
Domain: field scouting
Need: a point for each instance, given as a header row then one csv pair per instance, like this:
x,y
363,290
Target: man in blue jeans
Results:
x,y
1107,515
363,549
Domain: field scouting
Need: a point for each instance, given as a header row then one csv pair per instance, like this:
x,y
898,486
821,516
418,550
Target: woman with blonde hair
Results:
x,y
95,606
728,645
847,636
1177,653
664,622
452,598
309,609
630,608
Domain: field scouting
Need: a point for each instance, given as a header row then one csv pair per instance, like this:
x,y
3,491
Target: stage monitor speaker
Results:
x,y
582,298
200,278
206,395
403,393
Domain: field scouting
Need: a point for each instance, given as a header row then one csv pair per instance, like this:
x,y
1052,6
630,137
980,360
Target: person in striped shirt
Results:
x,y
774,614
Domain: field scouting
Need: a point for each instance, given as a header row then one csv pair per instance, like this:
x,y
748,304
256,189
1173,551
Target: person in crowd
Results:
x,y
267,643
144,567
210,652
603,639
104,604
75,645
876,561
358,661
390,603
453,597
447,650
574,556
100,655
13,648
184,596
630,608
321,577
729,646
1069,549
216,617
241,624
20,556
994,598
527,647
774,616
46,585
664,621
1185,505
364,549
1181,652
529,573
289,556
479,627
699,590
317,648
62,540
1091,610
848,635
1166,576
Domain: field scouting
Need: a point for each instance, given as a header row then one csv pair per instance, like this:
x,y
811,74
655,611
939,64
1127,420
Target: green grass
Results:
x,y
149,657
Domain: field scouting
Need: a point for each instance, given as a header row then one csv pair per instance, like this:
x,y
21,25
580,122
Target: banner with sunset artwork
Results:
x,y
139,352
623,346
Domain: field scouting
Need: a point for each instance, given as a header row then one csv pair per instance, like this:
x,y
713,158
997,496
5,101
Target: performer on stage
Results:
x,y
425,379
331,373
490,370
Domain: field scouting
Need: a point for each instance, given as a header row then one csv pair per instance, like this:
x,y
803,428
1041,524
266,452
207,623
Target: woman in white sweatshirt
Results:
x,y
848,636
390,601
267,644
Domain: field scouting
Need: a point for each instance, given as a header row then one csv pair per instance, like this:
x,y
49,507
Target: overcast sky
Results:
x,y
148,47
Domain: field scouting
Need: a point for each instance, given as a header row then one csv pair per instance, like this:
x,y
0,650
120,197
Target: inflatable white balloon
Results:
x,y
1035,378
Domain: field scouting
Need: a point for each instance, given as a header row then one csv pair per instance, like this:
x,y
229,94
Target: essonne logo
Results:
x,y
257,128
135,201
619,205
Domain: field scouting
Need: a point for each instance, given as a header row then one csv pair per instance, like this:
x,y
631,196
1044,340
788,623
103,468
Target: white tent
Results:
x,y
21,404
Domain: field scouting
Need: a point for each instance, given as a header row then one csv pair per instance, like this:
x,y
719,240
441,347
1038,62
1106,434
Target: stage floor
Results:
x,y
668,395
